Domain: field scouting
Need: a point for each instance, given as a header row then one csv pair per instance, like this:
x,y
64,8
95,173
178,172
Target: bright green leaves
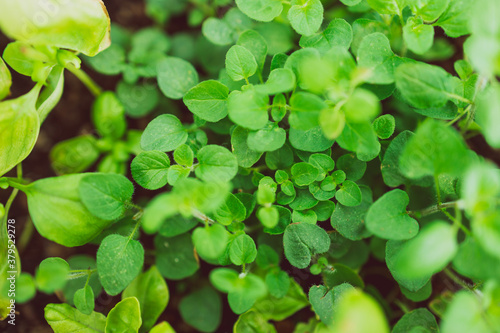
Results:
x,y
108,115
384,126
434,149
392,7
338,33
387,217
202,309
119,261
216,163
248,108
302,240
64,318
164,133
424,86
105,195
375,53
210,242
208,100
242,250
243,290
232,210
73,225
360,312
269,138
418,36
305,108
240,63
218,31
124,317
429,10
261,10
175,256
465,313
84,300
245,156
349,194
418,318
176,76
360,138
151,291
428,253
488,114
361,106
304,173
19,127
256,44
306,16
150,169
52,275
81,25
5,80
280,80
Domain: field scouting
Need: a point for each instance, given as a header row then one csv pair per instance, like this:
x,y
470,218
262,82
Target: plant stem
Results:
x,y
457,280
401,305
436,208
459,98
91,85
438,190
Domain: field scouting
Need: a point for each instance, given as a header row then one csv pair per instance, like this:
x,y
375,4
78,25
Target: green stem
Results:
x,y
459,98
137,224
438,190
457,280
91,85
435,209
401,305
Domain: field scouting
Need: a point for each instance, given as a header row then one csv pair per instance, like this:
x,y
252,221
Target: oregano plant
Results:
x,y
253,166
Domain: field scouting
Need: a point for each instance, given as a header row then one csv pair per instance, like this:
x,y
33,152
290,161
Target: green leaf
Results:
x,y
150,169
253,321
25,288
19,128
304,110
52,274
269,138
138,99
84,300
428,253
375,53
260,10
5,80
164,133
350,221
231,211
162,327
392,255
305,16
361,139
312,140
119,261
268,216
304,173
455,19
73,225
418,36
362,105
108,115
83,262
105,195
218,31
175,77
424,86
487,114
240,63
278,283
421,318
256,44
248,108
321,300
216,163
465,313
247,291
391,171
184,155
387,218
151,291
280,80
74,155
111,61
208,100
245,156
392,7
125,317
242,250
63,318
302,240
210,242
360,312
87,32
202,309
473,261
384,126
175,256
434,149
338,33
429,10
